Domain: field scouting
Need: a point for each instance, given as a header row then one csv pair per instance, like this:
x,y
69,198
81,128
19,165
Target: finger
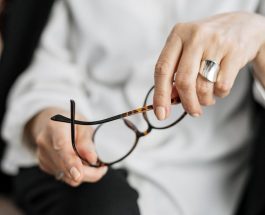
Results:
x,y
48,158
185,78
164,72
47,165
66,158
72,165
205,91
84,144
229,69
205,88
56,174
45,161
92,174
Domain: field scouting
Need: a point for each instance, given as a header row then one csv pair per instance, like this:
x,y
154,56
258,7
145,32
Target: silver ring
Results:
x,y
59,175
209,70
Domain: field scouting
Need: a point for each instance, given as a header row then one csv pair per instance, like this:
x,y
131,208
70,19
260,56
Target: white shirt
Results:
x,y
102,54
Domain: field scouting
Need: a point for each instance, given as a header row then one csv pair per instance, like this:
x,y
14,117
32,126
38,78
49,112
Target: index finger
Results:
x,y
84,144
164,72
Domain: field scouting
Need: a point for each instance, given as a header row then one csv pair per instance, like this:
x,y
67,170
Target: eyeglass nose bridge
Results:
x,y
130,125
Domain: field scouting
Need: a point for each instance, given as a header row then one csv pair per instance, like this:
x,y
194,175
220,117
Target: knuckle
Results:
x,y
176,30
161,69
178,27
216,38
59,144
223,88
183,83
198,32
202,90
231,47
40,140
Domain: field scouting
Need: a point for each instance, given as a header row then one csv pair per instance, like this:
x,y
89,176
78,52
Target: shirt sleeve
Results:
x,y
52,79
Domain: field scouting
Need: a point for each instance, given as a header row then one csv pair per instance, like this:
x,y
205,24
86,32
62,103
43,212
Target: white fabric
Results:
x,y
102,54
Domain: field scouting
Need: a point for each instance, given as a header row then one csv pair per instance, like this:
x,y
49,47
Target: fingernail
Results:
x,y
160,112
195,115
75,173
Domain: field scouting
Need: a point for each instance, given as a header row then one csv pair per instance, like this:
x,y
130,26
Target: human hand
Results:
x,y
54,149
232,40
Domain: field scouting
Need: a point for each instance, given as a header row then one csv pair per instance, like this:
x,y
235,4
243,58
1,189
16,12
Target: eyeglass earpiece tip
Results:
x,y
56,117
53,118
60,118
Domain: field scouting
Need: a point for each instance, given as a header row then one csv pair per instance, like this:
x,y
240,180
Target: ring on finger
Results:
x,y
209,69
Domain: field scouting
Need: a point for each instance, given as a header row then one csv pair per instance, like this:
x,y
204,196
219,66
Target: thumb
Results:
x,y
84,145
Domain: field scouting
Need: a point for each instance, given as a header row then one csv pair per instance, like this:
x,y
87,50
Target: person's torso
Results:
x,y
198,166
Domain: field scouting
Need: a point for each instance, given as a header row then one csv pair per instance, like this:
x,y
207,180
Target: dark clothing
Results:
x,y
40,194
21,25
253,199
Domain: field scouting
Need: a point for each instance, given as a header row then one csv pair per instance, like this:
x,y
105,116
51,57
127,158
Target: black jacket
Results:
x,y
253,199
21,26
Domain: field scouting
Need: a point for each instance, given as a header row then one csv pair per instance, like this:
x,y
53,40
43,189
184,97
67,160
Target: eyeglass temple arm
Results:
x,y
61,118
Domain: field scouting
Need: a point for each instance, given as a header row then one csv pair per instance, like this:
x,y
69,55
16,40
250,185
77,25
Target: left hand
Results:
x,y
54,150
232,40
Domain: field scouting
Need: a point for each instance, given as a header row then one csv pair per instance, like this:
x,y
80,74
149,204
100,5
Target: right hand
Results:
x,y
54,149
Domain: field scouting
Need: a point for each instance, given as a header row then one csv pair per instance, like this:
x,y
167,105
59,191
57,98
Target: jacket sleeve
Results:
x,y
52,79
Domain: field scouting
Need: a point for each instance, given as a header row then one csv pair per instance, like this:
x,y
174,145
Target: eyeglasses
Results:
x,y
120,129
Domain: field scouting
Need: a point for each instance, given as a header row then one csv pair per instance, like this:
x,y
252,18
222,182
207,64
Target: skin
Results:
x,y
52,143
230,39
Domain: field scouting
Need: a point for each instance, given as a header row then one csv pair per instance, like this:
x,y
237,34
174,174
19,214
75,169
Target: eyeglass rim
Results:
x,y
99,161
137,137
182,116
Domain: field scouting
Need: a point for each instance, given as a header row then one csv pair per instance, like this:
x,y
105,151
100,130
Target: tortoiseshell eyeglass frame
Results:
x,y
123,116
